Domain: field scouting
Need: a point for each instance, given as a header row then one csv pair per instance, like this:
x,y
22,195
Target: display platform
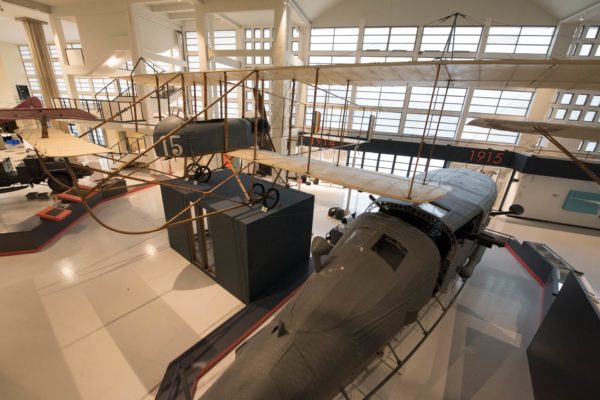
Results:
x,y
37,231
246,248
54,213
564,351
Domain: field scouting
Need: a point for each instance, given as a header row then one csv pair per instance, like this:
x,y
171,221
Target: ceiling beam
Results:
x,y
34,5
228,20
181,16
580,14
149,1
168,8
299,11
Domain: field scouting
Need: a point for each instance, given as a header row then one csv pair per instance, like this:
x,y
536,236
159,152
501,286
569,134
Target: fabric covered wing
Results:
x,y
60,144
559,130
554,74
367,181
51,113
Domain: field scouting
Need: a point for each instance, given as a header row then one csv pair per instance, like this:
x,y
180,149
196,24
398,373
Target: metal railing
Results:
x,y
104,109
130,144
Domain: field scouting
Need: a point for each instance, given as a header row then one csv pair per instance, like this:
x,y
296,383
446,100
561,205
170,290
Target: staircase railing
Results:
x,y
133,105
129,145
115,108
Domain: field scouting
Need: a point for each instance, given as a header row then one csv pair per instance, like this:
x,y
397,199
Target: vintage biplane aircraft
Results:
x,y
391,260
182,137
550,131
48,143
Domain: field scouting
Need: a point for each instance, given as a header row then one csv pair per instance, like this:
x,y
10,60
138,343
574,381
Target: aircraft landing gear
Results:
x,y
198,173
269,198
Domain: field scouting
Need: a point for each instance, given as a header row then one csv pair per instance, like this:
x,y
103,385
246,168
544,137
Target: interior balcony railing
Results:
x,y
120,111
129,145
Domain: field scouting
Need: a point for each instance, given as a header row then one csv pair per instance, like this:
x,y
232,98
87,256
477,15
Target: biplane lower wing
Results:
x,y
376,183
60,144
569,131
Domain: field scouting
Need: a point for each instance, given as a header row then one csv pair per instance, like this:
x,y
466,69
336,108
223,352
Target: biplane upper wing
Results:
x,y
558,130
60,144
376,183
570,74
50,113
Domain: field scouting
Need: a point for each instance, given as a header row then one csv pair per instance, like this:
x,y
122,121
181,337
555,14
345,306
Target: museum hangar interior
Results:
x,y
299,199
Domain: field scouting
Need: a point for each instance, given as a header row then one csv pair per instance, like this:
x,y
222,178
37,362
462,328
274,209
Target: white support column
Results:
x,y
203,28
301,89
41,58
61,44
563,39
360,39
464,114
484,38
202,32
281,55
146,106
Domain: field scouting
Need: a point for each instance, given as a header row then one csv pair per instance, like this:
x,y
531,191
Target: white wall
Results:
x,y
543,197
155,34
11,74
410,12
104,27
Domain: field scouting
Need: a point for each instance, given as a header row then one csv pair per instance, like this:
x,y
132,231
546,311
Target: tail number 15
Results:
x,y
176,149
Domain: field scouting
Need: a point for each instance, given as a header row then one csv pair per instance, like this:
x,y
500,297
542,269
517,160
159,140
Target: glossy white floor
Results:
x,y
98,315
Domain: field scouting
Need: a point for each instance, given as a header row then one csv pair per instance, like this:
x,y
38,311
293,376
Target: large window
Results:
x,y
333,39
587,42
96,136
502,102
471,132
452,100
360,119
381,96
383,59
34,83
31,73
224,40
327,60
258,39
519,39
191,51
295,40
389,38
464,38
444,125
330,94
387,122
575,106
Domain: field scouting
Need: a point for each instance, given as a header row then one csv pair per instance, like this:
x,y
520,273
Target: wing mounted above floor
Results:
x,y
392,186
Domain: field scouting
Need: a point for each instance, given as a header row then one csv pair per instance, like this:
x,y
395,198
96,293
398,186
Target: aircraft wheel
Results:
x,y
191,170
258,191
202,174
271,198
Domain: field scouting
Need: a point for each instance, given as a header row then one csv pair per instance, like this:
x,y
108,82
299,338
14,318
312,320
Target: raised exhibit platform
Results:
x,y
35,232
252,248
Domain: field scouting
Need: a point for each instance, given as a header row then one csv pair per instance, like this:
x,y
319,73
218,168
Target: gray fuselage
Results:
x,y
375,279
